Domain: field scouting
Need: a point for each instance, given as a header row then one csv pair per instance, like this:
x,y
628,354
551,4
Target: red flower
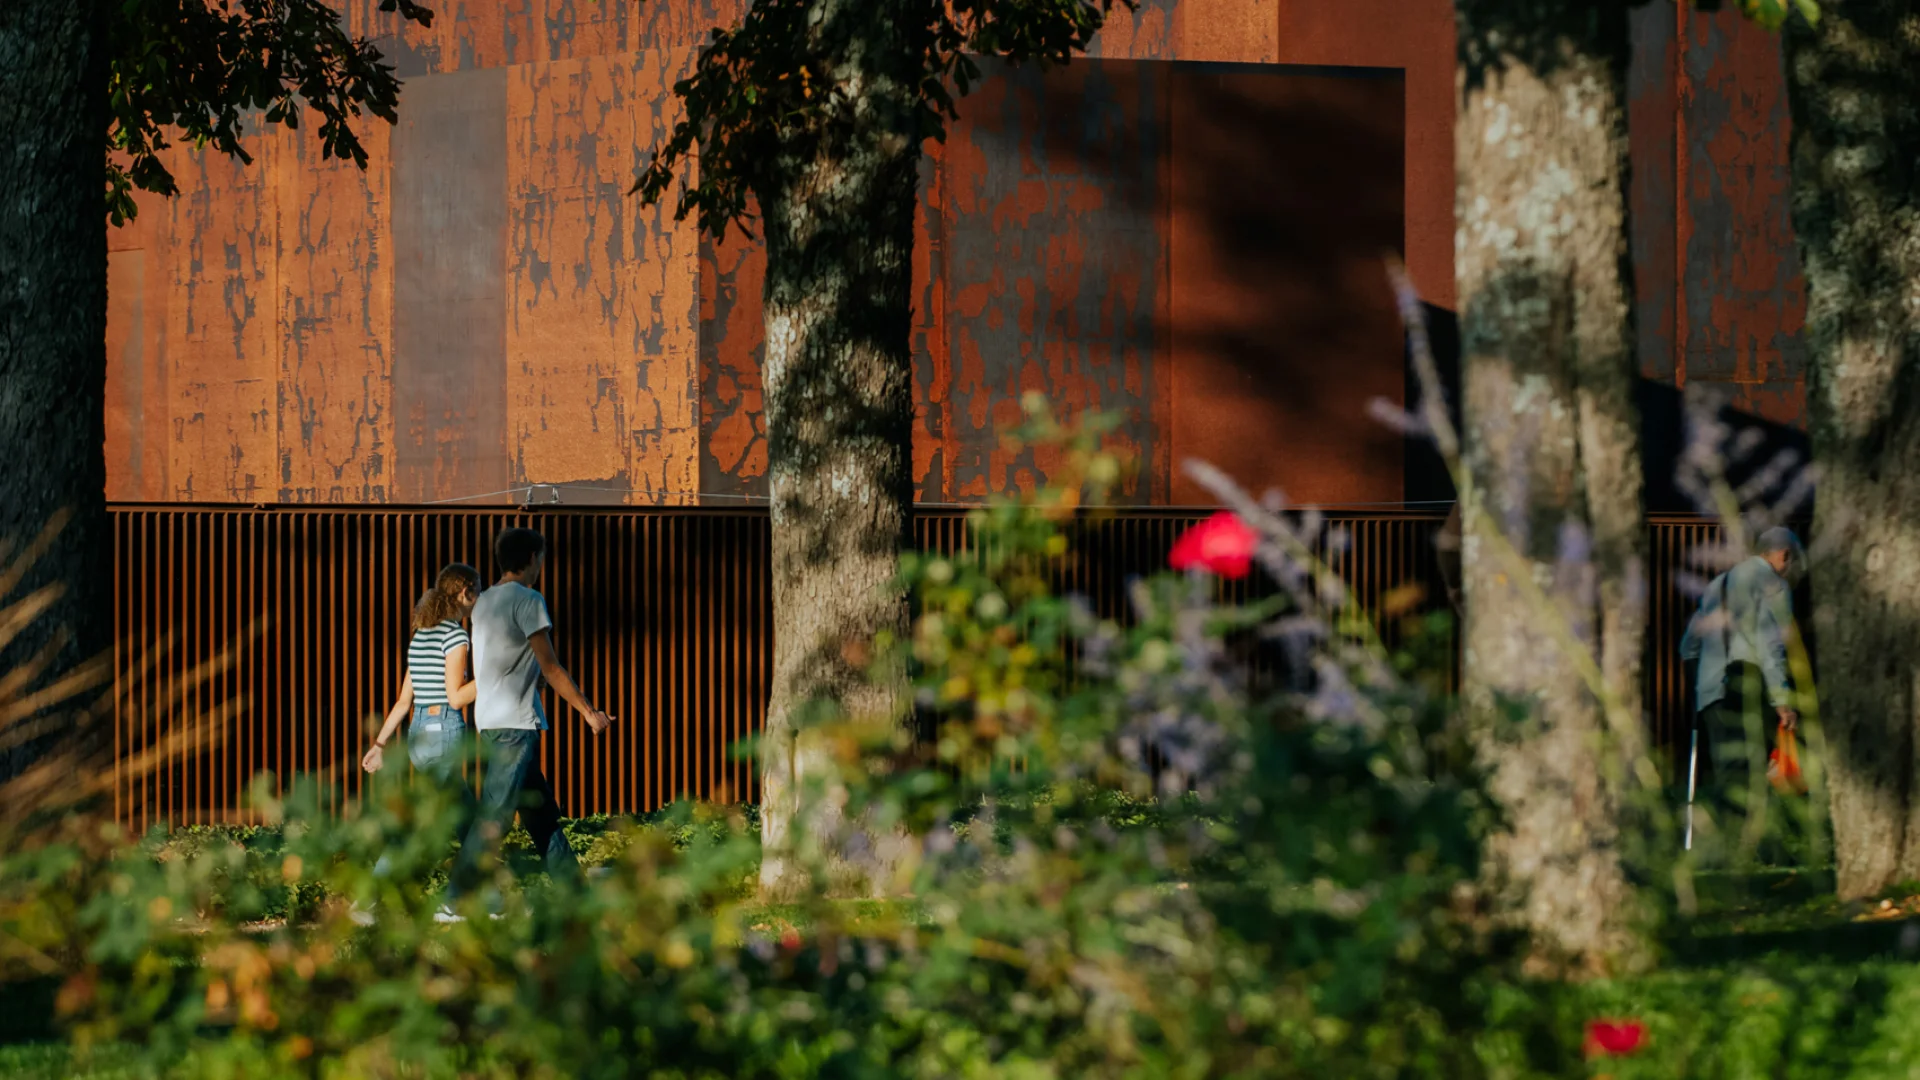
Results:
x,y
790,939
1615,1038
1222,544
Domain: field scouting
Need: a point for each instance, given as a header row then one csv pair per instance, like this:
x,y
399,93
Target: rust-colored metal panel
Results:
x,y
1415,36
1284,325
932,351
1744,304
449,396
603,315
733,423
1052,265
476,34
222,324
1227,31
1145,33
335,276
136,418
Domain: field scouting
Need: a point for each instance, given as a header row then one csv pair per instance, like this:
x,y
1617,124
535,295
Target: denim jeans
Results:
x,y
437,747
514,783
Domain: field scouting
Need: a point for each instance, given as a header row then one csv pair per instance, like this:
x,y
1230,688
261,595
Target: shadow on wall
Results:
x,y
1286,190
1663,431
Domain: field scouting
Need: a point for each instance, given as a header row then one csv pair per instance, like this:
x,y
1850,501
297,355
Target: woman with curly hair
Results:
x,y
437,687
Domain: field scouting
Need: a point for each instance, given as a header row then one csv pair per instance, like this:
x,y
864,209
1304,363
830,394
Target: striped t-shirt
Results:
x,y
427,660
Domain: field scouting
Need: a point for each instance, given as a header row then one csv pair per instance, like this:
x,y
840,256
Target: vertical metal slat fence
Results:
x,y
269,640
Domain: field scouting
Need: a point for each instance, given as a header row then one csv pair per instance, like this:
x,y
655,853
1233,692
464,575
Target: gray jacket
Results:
x,y
1752,630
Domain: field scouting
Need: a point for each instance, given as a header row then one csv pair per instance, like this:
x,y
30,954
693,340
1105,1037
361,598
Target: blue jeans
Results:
x,y
437,741
437,747
514,783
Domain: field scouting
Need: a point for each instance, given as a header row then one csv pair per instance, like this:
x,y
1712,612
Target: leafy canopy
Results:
x,y
201,66
1771,14
768,83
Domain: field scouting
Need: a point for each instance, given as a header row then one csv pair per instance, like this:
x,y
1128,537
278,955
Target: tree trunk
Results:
x,y
839,368
1551,447
1854,88
53,308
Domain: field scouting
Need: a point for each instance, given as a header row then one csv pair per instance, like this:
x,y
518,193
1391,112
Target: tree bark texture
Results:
x,y
53,310
1551,445
838,211
1854,90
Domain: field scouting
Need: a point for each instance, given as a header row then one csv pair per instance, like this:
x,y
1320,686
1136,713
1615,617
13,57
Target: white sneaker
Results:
x,y
448,915
361,916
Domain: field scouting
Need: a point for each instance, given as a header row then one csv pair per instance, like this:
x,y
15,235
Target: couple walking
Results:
x,y
512,652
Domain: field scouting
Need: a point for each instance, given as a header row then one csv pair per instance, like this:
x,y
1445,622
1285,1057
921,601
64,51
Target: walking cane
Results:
x,y
1693,770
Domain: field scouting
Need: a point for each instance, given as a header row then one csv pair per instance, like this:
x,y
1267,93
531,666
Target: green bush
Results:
x,y
1123,858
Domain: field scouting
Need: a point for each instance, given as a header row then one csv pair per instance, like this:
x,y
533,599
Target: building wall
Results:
x,y
1185,230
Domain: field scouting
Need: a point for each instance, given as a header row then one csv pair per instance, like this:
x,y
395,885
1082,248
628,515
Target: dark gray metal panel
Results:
x,y
449,295
1745,299
1054,263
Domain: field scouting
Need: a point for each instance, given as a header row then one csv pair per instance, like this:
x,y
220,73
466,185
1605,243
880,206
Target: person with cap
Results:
x,y
1737,641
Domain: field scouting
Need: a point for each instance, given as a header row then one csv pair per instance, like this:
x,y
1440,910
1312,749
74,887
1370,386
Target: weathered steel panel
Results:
x,y
223,332
474,34
603,316
1415,36
1284,327
1145,33
1052,263
1228,31
137,406
1745,300
932,351
733,423
449,397
335,276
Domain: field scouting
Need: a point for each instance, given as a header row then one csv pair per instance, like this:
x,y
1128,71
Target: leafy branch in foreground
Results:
x,y
780,80
204,67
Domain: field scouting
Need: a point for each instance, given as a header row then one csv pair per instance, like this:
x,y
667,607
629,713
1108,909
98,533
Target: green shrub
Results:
x,y
1125,859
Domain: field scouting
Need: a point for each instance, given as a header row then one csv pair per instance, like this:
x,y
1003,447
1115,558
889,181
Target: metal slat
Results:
x,y
664,613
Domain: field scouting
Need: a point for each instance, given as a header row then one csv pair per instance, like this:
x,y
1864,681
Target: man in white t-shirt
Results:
x,y
512,653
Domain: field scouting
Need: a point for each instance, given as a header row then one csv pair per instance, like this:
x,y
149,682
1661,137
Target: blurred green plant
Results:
x,y
1131,853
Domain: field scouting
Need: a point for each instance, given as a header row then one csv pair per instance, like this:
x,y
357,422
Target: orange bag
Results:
x,y
1783,765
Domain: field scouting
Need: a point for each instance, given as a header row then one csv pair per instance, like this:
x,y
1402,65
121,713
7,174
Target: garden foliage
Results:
x,y
1203,836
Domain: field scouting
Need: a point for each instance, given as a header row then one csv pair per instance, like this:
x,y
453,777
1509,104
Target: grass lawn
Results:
x,y
54,1061
1775,979
1772,979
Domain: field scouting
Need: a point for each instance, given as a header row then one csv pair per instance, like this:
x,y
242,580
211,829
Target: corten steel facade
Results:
x,y
1184,229
486,309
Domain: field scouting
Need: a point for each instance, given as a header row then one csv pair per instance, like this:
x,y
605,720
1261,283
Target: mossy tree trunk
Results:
x,y
1551,443
1854,89
839,367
